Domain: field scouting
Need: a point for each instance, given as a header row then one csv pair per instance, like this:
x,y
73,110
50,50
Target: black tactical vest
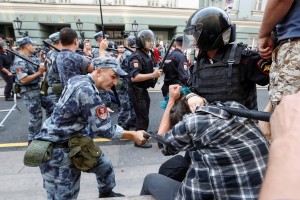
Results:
x,y
220,81
147,68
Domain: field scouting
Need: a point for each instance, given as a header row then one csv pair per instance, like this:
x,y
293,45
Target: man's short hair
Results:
x,y
2,36
67,36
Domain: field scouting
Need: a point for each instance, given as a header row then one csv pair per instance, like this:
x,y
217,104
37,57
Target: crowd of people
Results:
x,y
226,156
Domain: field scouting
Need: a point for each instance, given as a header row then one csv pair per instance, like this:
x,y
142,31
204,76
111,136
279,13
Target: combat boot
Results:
x,y
110,194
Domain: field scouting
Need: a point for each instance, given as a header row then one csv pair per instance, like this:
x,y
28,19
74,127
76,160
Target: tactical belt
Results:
x,y
288,40
31,86
60,145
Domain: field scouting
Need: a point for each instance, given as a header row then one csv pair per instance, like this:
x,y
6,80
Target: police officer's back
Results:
x,y
175,67
225,71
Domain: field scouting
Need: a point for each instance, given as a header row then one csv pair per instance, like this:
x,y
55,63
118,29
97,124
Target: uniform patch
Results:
x,y
135,63
185,66
102,112
264,66
19,70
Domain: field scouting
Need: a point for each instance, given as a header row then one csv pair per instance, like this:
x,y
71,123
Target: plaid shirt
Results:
x,y
229,154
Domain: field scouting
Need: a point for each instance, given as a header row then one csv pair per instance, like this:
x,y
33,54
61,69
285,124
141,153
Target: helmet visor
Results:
x,y
148,41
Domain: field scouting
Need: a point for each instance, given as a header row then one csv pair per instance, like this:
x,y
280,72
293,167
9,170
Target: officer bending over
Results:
x,y
80,106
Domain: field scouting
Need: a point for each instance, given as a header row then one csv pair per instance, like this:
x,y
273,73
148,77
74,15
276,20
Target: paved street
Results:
x,y
131,164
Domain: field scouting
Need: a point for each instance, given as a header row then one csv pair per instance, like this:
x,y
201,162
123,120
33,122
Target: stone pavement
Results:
x,y
131,165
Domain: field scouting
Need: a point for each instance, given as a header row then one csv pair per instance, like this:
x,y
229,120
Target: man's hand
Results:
x,y
42,68
265,47
103,45
174,92
157,73
138,137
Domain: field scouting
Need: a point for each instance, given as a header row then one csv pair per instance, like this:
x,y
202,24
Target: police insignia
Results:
x,y
135,63
264,66
19,70
102,112
185,66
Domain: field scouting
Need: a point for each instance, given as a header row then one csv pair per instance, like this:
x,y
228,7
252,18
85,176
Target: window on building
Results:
x,y
258,5
153,3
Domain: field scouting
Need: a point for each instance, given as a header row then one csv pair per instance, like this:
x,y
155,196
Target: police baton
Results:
x,y
164,59
101,19
50,45
155,136
250,114
23,58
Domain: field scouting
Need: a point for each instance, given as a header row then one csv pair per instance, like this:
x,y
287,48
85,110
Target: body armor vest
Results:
x,y
147,69
220,81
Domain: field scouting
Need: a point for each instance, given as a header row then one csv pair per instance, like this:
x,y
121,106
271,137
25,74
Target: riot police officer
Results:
x,y
143,76
175,67
224,71
28,76
52,76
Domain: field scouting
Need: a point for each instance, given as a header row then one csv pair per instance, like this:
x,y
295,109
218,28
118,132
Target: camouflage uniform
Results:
x,y
126,114
285,68
70,64
285,71
30,94
73,113
52,75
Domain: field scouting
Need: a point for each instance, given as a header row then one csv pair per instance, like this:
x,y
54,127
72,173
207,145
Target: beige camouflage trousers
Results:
x,y
285,71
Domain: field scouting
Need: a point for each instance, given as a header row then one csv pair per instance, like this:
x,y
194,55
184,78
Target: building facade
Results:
x,y
167,18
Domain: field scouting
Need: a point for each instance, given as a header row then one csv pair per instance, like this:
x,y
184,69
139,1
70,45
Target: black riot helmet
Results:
x,y
130,41
142,38
211,28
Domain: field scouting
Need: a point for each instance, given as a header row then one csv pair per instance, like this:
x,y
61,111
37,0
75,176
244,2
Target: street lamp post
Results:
x,y
135,26
18,25
79,25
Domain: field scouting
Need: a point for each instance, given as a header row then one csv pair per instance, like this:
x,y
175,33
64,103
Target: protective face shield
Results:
x,y
145,39
208,28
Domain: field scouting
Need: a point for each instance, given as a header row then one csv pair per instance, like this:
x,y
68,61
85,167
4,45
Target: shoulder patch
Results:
x,y
264,66
185,66
19,70
135,63
102,112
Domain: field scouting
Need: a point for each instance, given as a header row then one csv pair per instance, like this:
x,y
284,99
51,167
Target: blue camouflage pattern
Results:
x,y
31,95
70,64
105,97
52,75
126,114
61,178
25,40
76,110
